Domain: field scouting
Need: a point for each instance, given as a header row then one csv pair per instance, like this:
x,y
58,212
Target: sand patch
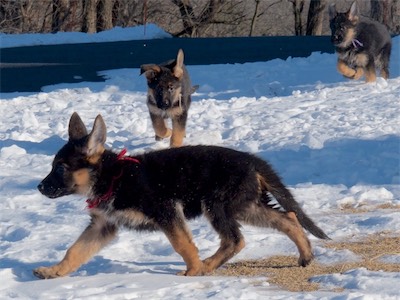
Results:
x,y
284,271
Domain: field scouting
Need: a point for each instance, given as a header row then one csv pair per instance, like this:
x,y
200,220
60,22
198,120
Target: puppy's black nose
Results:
x,y
40,187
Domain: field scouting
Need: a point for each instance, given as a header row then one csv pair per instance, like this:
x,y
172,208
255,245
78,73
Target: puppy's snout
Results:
x,y
163,104
41,187
337,38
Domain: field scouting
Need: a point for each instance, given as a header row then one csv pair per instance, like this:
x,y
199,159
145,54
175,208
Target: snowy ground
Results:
x,y
336,143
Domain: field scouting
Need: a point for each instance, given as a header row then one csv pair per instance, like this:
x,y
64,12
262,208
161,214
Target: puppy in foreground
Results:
x,y
362,45
169,96
163,189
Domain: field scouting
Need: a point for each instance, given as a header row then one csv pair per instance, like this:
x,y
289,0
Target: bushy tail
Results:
x,y
275,187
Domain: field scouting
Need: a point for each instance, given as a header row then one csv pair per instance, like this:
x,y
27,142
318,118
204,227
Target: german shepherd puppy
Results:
x,y
168,96
362,44
160,190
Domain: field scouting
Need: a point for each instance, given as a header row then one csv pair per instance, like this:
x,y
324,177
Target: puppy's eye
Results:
x,y
60,169
171,88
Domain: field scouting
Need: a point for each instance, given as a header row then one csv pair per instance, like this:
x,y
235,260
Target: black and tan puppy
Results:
x,y
160,190
362,45
169,96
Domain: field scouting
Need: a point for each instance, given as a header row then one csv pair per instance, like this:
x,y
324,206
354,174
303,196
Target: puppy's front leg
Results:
x,y
178,129
98,234
348,72
160,128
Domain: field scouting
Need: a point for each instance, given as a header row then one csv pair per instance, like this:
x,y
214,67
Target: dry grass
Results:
x,y
284,272
349,208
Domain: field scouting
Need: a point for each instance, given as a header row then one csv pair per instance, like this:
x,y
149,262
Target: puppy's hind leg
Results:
x,y
286,222
384,60
232,241
370,72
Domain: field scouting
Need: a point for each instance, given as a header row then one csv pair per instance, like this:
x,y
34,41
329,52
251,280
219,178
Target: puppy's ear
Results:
x,y
194,88
97,138
332,11
178,69
150,71
76,128
352,14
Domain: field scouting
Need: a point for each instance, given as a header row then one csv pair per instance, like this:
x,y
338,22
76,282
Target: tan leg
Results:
x,y
181,241
95,237
177,137
359,73
178,131
385,73
285,222
370,75
296,233
160,128
226,251
348,72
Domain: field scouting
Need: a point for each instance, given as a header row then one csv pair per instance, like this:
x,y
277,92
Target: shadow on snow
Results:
x,y
23,271
347,162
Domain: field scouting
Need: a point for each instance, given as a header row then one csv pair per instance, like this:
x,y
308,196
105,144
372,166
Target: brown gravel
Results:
x,y
284,272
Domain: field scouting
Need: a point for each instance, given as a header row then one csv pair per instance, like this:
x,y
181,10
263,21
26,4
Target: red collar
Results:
x,y
93,203
122,157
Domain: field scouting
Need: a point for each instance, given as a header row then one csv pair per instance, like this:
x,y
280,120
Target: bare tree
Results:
x,y
10,16
254,18
105,15
90,16
130,13
315,17
298,6
395,13
187,18
378,8
386,12
192,22
61,12
187,15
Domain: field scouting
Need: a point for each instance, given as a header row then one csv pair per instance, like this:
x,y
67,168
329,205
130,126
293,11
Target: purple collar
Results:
x,y
356,43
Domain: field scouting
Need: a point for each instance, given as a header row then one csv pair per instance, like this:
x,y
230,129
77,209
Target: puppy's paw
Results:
x,y
167,134
195,270
305,261
46,273
359,73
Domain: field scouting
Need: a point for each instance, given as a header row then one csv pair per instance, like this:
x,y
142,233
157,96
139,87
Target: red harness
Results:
x,y
93,203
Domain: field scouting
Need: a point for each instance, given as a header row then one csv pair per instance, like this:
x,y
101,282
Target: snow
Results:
x,y
335,143
150,31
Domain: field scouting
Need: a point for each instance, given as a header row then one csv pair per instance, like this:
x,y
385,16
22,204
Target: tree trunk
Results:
x,y
75,19
315,17
187,14
106,14
381,11
61,11
298,6
26,16
254,19
90,16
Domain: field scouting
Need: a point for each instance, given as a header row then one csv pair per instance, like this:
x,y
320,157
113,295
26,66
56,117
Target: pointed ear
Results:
x,y
352,14
149,70
332,11
76,128
194,88
97,138
178,69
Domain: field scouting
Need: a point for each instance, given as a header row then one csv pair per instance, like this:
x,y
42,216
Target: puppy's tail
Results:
x,y
275,187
